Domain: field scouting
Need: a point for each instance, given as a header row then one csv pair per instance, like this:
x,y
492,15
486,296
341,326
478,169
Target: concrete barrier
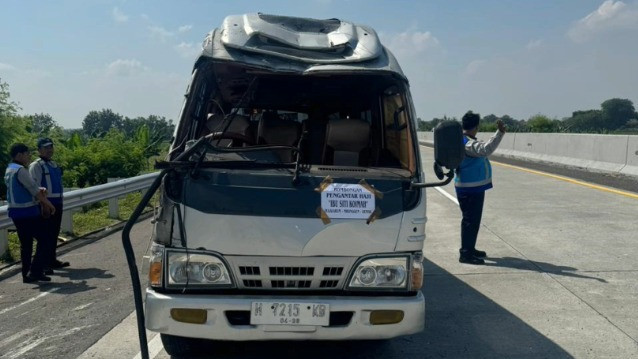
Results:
x,y
507,146
631,168
600,153
425,136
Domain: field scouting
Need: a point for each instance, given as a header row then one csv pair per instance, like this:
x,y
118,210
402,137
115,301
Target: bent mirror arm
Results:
x,y
449,175
449,151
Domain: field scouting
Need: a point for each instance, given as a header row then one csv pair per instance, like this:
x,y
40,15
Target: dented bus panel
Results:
x,y
297,216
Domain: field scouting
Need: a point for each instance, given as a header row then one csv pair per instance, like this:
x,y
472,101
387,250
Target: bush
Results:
x,y
101,158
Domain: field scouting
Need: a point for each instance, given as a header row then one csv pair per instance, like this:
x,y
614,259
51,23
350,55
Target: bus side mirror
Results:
x,y
449,152
449,149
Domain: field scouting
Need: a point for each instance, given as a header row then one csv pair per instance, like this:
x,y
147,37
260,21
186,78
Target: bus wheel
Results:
x,y
184,347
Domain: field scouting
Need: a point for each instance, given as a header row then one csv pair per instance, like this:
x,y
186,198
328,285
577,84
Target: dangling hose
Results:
x,y
130,254
130,258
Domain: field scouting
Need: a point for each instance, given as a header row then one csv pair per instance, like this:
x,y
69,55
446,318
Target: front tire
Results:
x,y
184,347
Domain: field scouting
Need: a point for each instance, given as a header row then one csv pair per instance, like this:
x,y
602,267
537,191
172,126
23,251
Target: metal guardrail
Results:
x,y
85,196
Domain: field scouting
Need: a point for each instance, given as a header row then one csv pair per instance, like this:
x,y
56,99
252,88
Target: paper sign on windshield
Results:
x,y
342,200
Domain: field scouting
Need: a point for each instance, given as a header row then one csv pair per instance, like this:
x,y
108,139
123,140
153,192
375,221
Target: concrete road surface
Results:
x,y
561,281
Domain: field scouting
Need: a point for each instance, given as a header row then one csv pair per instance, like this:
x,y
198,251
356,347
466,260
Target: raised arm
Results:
x,y
476,148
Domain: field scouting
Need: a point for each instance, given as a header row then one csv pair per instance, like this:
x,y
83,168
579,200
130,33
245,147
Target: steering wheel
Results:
x,y
234,136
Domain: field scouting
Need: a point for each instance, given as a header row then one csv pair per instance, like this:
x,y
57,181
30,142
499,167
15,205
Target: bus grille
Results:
x,y
291,273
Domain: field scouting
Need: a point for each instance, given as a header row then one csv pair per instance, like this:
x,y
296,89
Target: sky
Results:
x,y
514,57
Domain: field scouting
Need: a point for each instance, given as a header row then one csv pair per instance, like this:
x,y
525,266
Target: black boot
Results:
x,y
471,260
58,264
34,277
468,257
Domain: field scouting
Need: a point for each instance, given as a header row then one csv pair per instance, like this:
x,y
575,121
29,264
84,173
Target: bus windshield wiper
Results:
x,y
295,178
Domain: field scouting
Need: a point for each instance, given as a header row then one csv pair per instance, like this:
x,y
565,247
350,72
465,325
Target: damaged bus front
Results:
x,y
293,207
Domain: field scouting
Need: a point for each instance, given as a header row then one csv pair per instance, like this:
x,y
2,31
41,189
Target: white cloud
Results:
x,y
124,68
474,66
188,50
6,67
160,33
185,28
534,44
145,17
118,15
410,43
610,15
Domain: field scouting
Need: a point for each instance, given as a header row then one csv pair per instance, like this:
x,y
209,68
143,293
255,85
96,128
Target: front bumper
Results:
x,y
218,326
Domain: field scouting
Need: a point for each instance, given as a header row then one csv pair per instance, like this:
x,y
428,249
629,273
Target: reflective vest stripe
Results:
x,y
474,173
22,205
20,202
52,191
474,184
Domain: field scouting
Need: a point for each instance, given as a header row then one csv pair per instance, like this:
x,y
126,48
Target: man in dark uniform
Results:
x,y
23,195
48,174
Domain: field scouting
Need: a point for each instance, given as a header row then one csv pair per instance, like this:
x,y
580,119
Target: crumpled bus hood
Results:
x,y
296,45
301,39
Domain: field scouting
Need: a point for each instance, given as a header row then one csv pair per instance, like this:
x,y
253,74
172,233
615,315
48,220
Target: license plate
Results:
x,y
287,313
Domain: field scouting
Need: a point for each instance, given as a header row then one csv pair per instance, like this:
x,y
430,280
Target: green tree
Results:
x,y
585,121
9,128
541,123
91,163
153,132
616,112
8,108
488,123
430,125
43,124
144,142
491,118
75,141
421,125
8,111
632,125
99,123
513,124
159,128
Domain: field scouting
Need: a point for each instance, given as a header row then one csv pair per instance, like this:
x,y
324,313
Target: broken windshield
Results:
x,y
346,120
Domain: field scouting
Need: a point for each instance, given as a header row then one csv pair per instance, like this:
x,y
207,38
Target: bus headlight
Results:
x,y
197,269
381,273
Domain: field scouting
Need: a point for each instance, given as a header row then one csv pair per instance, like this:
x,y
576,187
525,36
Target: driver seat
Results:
x,y
238,125
347,143
273,130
